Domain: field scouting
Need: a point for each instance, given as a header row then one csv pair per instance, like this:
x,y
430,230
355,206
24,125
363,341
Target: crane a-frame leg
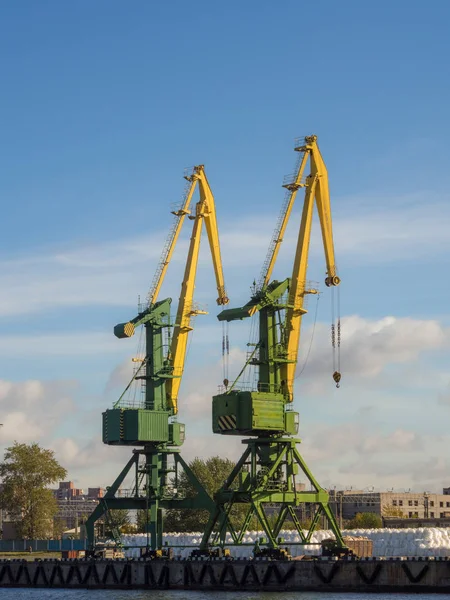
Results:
x,y
152,491
266,474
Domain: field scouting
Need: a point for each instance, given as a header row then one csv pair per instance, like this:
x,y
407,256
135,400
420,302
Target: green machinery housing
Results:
x,y
263,410
151,423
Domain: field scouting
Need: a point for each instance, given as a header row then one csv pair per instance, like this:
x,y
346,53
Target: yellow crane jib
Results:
x,y
281,306
316,189
205,212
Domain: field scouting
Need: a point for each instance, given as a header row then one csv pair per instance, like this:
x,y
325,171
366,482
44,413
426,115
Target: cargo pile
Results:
x,y
423,541
361,547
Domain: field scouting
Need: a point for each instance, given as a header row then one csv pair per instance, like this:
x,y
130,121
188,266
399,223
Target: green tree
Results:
x,y
365,520
59,527
211,473
26,472
118,519
392,511
142,517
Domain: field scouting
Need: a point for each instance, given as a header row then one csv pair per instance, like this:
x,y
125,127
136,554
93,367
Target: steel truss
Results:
x,y
266,474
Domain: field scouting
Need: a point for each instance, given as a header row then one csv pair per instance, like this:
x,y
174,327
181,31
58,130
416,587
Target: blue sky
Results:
x,y
102,107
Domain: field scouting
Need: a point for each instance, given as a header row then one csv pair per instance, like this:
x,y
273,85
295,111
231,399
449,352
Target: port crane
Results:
x,y
151,426
266,472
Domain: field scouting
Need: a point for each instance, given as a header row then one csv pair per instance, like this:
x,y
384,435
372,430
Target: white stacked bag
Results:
x,y
423,541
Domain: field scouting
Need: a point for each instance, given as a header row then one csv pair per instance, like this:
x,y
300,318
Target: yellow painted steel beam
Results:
x,y
316,189
296,311
205,211
171,243
206,196
324,210
279,236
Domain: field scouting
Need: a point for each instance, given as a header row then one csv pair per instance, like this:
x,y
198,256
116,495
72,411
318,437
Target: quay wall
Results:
x,y
346,575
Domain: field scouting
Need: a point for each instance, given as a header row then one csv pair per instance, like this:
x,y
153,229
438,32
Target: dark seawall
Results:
x,y
365,575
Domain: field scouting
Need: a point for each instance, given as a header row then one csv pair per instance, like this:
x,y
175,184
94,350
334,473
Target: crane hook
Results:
x,y
337,378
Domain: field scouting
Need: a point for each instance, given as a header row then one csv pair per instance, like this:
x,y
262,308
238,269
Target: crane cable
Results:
x,y
336,334
225,353
312,338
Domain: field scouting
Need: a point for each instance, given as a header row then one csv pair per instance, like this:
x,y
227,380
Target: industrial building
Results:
x,y
346,504
74,505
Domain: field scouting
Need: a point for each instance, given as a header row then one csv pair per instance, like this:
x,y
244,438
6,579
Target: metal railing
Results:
x,y
253,387
42,545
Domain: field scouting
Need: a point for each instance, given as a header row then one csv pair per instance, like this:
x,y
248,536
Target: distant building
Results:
x,y
74,506
94,493
67,491
409,505
399,523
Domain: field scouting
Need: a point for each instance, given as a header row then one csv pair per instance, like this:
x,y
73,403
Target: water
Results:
x,y
43,594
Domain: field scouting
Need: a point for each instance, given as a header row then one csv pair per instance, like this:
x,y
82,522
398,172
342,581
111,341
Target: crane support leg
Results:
x,y
265,475
156,471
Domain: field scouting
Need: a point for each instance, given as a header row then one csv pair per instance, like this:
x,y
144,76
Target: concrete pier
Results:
x,y
364,575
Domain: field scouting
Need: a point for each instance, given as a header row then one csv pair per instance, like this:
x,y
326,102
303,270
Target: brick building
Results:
x,y
74,505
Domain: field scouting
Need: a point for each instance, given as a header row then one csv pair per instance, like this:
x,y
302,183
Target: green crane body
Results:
x,y
269,468
125,426
268,471
157,464
264,410
152,428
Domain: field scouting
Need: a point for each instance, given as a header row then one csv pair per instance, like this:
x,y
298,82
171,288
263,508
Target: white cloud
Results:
x,y
121,375
67,451
432,470
91,463
102,275
113,273
31,410
18,427
363,454
396,441
92,454
369,346
323,442
444,397
60,344
398,231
